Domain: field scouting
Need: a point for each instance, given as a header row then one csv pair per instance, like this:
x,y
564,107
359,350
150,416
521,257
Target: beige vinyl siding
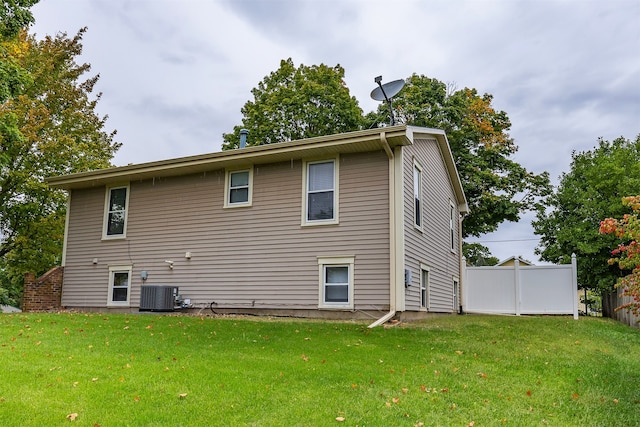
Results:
x,y
258,256
432,246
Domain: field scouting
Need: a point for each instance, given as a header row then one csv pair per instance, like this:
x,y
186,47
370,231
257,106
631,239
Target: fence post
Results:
x,y
516,282
462,289
574,284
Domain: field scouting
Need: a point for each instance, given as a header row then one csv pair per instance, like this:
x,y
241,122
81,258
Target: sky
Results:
x,y
174,74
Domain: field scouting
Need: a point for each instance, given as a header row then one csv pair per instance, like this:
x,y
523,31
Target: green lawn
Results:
x,y
157,370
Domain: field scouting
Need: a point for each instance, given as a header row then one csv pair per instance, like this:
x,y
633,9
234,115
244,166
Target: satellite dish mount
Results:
x,y
386,92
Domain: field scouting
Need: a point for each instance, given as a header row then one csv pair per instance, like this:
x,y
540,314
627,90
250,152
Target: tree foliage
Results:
x,y
497,188
591,190
478,255
296,103
627,254
48,126
14,16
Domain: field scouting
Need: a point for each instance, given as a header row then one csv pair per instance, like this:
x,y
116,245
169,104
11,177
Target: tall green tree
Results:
x,y
296,103
591,191
497,188
48,126
14,16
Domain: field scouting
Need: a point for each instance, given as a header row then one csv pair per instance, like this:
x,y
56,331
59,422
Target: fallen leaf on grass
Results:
x,y
528,392
459,352
575,396
182,395
482,375
305,358
72,417
340,419
396,400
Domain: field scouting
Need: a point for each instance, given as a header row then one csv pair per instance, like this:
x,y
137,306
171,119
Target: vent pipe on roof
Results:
x,y
243,137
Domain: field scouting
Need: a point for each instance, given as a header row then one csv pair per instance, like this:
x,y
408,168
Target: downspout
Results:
x,y
392,236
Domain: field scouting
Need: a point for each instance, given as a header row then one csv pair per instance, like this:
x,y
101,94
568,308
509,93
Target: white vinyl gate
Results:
x,y
541,289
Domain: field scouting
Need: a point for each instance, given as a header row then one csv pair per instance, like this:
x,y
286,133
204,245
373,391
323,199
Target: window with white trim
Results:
x,y
238,185
452,227
456,293
119,285
115,212
336,282
417,195
320,194
424,286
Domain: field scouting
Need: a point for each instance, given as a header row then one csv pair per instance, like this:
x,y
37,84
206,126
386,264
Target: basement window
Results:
x,y
336,282
119,286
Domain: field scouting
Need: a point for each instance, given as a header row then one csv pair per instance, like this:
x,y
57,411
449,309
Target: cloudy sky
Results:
x,y
175,73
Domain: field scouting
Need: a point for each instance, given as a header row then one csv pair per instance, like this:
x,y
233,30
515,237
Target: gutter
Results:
x,y
392,235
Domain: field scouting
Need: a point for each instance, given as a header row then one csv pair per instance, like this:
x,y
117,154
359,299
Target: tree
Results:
x,y
497,188
296,103
591,190
48,126
14,16
478,255
627,254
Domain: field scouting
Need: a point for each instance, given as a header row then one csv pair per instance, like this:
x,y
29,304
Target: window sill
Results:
x,y
108,238
319,223
237,205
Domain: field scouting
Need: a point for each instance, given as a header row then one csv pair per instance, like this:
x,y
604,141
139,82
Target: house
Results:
x,y
361,224
511,261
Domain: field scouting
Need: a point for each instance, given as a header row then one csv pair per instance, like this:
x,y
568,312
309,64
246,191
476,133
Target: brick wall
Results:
x,y
43,293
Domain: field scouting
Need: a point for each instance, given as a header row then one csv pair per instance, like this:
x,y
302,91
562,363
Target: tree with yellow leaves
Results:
x,y
48,126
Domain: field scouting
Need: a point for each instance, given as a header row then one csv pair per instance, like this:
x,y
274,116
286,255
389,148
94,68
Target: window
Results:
x,y
336,282
119,285
424,286
417,195
320,193
456,292
238,188
452,227
115,217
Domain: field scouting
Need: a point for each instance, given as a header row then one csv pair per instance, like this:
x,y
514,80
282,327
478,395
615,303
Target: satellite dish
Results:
x,y
388,90
385,92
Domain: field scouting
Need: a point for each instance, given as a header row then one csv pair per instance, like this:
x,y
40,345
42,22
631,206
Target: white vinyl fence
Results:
x,y
541,289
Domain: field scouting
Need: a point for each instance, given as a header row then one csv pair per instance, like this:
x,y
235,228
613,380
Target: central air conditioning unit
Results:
x,y
158,298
